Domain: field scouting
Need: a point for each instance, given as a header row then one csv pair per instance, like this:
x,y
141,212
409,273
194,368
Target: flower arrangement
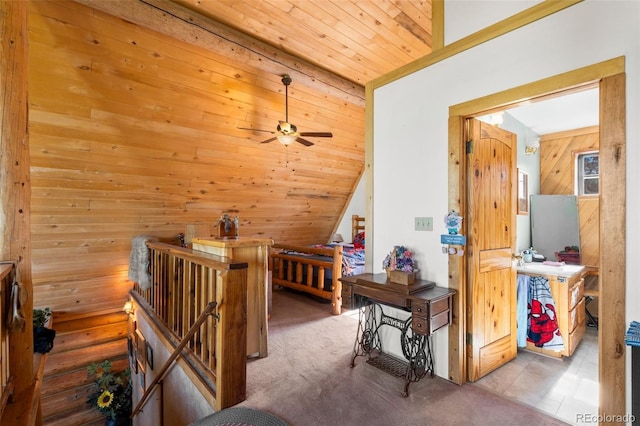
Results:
x,y
112,395
400,259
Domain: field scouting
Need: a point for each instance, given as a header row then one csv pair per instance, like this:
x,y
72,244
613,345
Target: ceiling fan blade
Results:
x,y
256,130
269,140
317,134
304,141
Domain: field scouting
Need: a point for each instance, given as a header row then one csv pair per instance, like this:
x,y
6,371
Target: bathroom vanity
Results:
x,y
567,289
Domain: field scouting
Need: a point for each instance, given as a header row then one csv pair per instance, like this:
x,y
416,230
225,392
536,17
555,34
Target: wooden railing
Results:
x,y
308,272
184,283
6,281
174,355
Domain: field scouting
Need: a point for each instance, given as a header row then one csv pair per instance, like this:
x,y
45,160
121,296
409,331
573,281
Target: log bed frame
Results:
x,y
297,272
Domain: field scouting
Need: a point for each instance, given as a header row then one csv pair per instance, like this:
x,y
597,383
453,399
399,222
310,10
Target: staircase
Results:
x,y
80,340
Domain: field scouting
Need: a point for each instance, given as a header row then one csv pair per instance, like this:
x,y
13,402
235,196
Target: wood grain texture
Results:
x,y
134,132
611,303
491,212
15,192
357,40
198,301
457,264
558,153
255,252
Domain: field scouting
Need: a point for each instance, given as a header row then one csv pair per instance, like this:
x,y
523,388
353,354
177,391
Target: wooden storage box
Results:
x,y
401,277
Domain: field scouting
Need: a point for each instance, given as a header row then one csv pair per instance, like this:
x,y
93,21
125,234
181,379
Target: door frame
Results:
x,y
609,76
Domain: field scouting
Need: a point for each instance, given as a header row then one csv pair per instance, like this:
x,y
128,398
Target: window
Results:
x,y
588,173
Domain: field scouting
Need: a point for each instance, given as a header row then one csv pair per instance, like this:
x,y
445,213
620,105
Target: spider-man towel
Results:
x,y
542,330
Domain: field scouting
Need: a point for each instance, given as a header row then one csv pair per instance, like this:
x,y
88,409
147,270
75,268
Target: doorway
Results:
x,y
565,383
610,78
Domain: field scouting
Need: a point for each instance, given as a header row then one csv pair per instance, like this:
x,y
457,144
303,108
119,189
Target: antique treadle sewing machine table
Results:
x,y
430,307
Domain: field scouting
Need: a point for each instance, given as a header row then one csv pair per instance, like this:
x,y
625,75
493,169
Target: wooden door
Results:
x,y
491,216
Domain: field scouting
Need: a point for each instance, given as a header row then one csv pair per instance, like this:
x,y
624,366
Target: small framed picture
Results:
x,y
149,356
141,349
141,378
131,351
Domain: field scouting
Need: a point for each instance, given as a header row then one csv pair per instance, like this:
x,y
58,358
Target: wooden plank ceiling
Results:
x,y
135,109
356,39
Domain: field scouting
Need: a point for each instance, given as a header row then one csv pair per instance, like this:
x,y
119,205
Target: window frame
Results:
x,y
581,178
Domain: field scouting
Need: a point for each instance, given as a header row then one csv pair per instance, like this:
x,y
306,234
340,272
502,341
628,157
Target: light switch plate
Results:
x,y
424,224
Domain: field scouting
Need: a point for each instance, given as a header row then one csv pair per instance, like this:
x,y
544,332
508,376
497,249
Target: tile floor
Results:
x,y
564,388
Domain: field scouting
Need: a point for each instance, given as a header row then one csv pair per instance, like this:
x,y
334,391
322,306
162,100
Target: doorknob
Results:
x,y
518,257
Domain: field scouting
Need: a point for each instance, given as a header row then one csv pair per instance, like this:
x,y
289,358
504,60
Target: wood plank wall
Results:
x,y
557,176
15,191
134,132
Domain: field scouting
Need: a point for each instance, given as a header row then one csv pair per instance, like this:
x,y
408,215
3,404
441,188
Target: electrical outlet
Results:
x,y
424,224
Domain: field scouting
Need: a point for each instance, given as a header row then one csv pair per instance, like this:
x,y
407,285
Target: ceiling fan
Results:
x,y
287,133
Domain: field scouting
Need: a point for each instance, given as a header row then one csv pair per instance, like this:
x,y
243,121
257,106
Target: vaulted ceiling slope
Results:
x,y
357,40
135,116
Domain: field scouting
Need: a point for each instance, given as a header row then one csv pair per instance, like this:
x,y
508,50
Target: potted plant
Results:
x,y
41,316
42,336
111,393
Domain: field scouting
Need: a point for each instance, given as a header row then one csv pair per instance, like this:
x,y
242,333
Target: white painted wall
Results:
x,y
358,206
465,17
410,125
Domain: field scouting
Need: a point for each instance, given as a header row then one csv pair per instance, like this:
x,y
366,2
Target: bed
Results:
x,y
317,269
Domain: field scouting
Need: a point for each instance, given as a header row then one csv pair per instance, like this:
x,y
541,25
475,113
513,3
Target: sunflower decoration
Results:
x,y
111,390
105,399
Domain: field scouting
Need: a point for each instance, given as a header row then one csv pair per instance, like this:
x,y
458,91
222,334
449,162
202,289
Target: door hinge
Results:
x,y
469,339
469,147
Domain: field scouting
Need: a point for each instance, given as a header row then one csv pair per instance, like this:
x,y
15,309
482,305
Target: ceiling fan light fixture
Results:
x,y
286,128
286,140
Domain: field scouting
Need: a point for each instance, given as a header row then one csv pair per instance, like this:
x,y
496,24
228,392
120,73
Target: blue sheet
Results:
x,y
521,316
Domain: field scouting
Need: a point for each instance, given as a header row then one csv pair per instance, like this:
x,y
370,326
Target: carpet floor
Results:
x,y
307,380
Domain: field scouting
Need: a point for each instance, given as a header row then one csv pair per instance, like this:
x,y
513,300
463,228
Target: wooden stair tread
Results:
x,y
76,417
67,323
69,340
66,400
80,340
78,377
61,362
